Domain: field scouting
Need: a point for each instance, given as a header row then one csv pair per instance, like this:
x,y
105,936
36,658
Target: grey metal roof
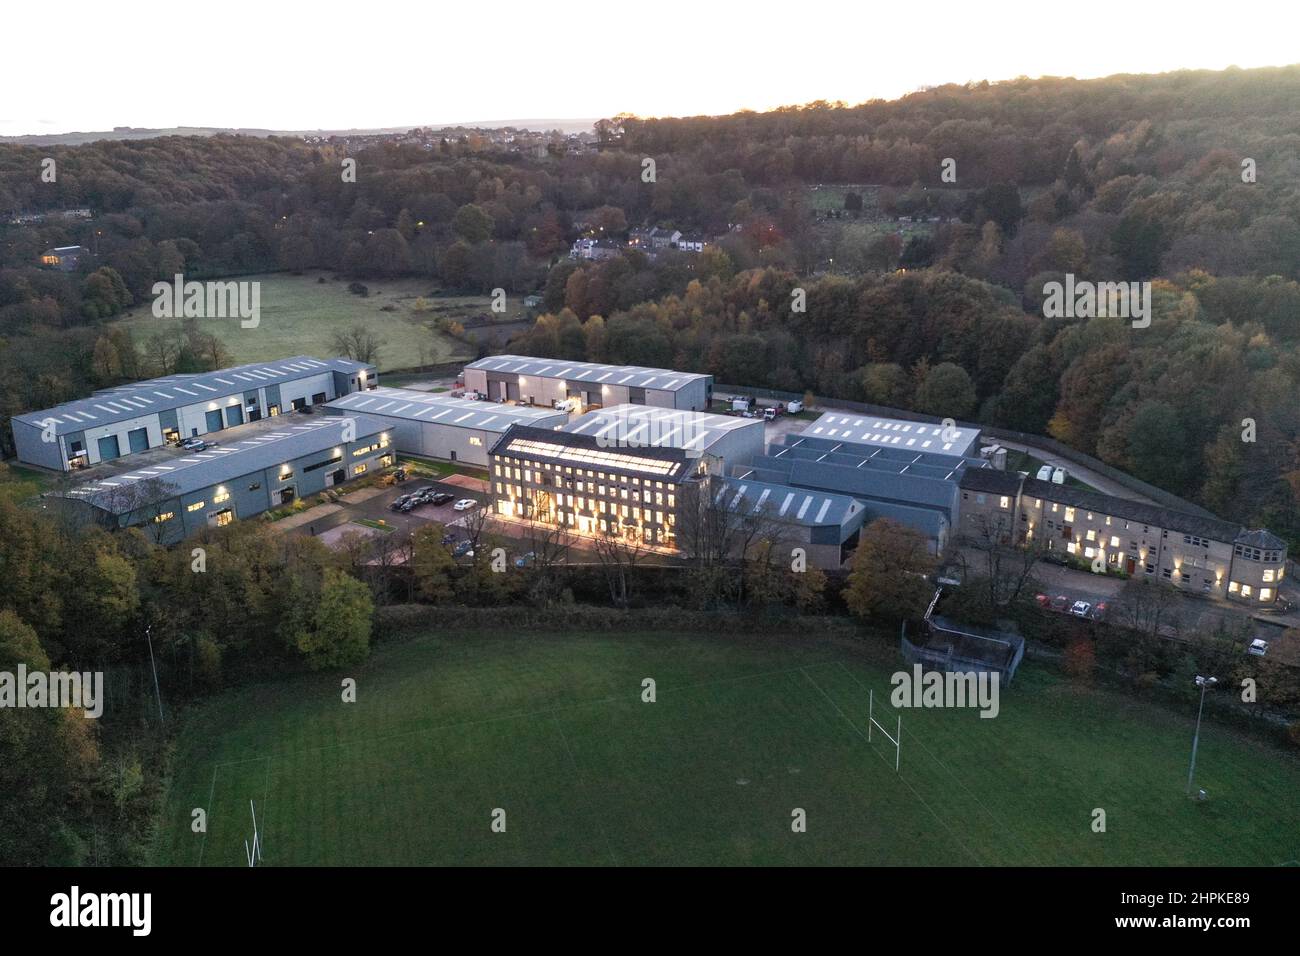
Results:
x,y
641,426
926,520
894,432
175,391
785,502
252,448
633,376
429,408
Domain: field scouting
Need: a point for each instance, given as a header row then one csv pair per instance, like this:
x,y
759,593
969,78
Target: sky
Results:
x,y
294,65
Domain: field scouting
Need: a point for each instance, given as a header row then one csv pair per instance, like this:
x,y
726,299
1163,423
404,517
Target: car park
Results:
x,y
465,504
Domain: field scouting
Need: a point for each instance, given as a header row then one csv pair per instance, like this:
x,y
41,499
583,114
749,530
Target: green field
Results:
x,y
299,316
552,730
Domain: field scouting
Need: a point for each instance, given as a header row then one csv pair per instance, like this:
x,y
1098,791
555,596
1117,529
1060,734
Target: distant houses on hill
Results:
x,y
648,239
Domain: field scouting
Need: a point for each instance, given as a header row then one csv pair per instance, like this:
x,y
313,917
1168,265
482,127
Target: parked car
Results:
x,y
441,498
524,560
1081,609
1044,473
1059,603
410,504
1058,476
396,503
463,550
794,407
448,538
769,414
465,504
1258,647
1099,611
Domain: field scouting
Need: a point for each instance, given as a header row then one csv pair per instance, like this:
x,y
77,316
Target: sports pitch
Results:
x,y
552,730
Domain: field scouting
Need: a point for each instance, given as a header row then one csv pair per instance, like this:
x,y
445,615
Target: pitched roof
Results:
x,y
785,502
663,463
896,432
436,408
1154,515
255,446
592,373
991,480
155,395
637,426
1260,538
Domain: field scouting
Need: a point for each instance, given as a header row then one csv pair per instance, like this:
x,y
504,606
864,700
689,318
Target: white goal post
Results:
x,y
254,852
896,740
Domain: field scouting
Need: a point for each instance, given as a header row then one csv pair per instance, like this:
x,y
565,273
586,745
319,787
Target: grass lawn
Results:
x,y
419,467
18,482
299,316
552,729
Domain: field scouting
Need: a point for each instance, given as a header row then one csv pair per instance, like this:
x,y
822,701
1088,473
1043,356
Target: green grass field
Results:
x,y
299,316
552,730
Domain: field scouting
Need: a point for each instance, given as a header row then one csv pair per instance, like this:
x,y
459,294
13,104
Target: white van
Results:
x,y
1045,473
1058,476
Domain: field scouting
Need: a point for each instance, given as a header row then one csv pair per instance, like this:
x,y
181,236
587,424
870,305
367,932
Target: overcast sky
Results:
x,y
76,65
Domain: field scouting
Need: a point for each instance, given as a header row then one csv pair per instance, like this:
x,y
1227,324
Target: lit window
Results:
x,y
475,440
196,506
1114,541
358,469
1268,574
1233,587
1266,594
165,516
220,496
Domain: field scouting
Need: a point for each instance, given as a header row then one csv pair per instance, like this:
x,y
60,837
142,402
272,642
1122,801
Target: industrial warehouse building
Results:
x,y
133,418
260,466
1193,552
961,441
916,487
441,426
534,381
720,440
825,526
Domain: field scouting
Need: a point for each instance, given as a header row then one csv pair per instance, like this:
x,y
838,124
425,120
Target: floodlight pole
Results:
x,y
898,744
154,665
1205,683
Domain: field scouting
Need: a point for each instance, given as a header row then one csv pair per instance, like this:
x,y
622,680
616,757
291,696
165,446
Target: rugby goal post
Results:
x,y
254,852
896,740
